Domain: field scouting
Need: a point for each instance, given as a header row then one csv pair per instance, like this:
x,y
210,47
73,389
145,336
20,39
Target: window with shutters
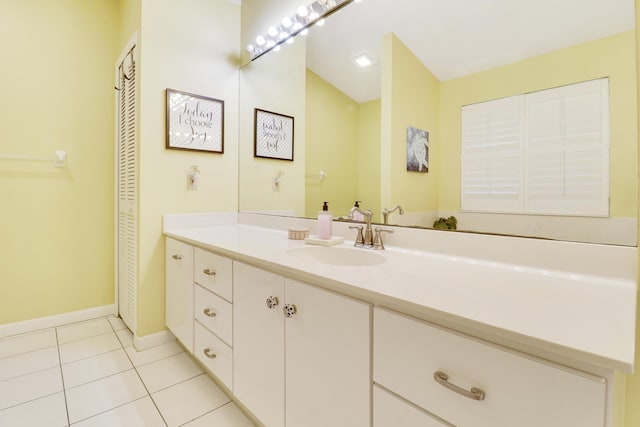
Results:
x,y
544,152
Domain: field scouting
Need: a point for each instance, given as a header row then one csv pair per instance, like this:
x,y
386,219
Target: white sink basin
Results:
x,y
337,256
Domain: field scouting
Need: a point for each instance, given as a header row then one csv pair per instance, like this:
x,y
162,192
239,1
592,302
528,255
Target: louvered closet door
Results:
x,y
127,193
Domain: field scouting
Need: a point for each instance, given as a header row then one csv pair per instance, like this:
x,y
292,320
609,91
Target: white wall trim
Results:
x,y
56,320
148,341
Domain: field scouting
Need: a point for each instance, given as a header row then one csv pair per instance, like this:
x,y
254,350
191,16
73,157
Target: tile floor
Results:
x,y
89,374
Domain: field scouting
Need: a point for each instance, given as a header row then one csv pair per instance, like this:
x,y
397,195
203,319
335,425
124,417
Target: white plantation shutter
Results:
x,y
127,192
568,150
491,155
545,152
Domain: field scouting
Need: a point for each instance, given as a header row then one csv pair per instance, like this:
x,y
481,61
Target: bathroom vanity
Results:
x,y
439,329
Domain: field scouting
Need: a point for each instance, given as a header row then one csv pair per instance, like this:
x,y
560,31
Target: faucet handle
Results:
x,y
360,236
377,240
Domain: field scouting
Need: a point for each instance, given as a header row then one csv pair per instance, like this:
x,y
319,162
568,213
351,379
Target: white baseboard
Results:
x,y
148,341
56,320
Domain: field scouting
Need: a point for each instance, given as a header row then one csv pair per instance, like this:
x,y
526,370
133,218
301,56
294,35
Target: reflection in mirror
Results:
x,y
428,62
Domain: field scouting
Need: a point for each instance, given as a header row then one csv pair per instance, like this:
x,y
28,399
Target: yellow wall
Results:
x,y
611,56
332,146
369,155
632,398
192,46
56,225
129,20
411,100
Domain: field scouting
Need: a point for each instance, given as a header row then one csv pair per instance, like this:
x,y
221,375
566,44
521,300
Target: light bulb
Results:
x,y
283,35
320,23
260,40
286,22
290,40
250,47
304,32
277,48
273,31
302,11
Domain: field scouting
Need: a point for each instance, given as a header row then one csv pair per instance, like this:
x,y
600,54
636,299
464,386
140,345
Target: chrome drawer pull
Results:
x,y
209,272
209,312
207,352
443,379
177,257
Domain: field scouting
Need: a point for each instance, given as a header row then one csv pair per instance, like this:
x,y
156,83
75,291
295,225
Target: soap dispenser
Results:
x,y
325,218
357,216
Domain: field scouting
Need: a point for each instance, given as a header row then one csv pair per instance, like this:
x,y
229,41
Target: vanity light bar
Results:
x,y
291,26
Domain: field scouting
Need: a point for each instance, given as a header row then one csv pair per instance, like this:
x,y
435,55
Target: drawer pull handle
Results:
x,y
443,379
177,257
207,352
209,272
289,310
272,302
209,312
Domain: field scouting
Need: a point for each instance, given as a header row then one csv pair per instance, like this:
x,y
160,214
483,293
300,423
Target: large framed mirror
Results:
x,y
430,59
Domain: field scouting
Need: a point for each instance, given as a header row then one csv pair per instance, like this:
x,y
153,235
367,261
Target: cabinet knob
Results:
x,y
272,302
289,310
209,312
177,257
209,272
443,379
207,352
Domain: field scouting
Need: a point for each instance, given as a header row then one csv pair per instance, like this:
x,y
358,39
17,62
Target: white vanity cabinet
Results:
x,y
301,354
197,313
478,384
179,290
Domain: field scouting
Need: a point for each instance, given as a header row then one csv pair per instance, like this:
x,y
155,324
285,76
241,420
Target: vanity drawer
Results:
x,y
389,411
520,391
214,354
214,313
214,273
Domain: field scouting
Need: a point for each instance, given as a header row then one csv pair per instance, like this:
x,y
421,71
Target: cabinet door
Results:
x,y
179,291
258,343
328,376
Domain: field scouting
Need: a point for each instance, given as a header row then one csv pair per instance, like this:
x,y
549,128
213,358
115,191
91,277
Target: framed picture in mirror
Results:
x,y
417,150
273,135
194,122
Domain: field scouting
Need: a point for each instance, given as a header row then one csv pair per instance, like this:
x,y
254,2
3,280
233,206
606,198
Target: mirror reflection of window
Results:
x,y
545,152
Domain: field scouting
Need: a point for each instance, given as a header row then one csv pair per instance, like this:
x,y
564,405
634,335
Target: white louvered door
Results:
x,y
127,233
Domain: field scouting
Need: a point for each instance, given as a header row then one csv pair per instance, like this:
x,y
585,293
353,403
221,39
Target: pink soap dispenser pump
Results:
x,y
325,218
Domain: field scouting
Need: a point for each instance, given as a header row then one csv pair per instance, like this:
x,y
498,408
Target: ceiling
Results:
x,y
454,38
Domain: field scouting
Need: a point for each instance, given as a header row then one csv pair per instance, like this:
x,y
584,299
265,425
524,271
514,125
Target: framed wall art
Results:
x,y
417,150
194,122
273,135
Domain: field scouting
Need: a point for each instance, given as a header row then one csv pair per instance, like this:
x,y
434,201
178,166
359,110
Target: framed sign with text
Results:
x,y
194,122
273,135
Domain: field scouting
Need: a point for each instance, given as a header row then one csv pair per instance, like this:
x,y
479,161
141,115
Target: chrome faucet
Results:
x,y
365,240
386,212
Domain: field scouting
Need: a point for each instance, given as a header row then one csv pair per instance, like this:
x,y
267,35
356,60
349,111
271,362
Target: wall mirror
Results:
x,y
429,60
